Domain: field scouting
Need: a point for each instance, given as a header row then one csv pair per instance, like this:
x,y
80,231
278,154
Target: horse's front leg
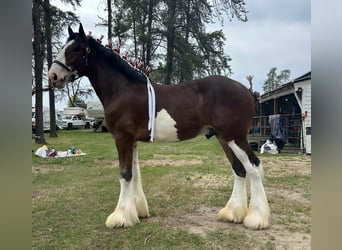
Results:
x,y
132,203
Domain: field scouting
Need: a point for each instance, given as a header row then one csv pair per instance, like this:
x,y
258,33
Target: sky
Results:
x,y
277,34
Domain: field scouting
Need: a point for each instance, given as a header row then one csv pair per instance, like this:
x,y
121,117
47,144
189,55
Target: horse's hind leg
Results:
x,y
236,207
258,215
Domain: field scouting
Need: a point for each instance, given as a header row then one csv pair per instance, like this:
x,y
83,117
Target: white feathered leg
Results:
x,y
132,202
140,199
258,215
236,208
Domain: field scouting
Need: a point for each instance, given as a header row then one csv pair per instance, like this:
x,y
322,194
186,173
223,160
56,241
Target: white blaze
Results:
x,y
165,127
59,74
61,55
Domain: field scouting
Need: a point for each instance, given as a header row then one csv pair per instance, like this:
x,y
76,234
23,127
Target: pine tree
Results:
x,y
170,35
38,52
46,20
274,80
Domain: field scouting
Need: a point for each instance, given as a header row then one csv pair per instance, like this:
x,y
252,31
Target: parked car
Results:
x,y
74,121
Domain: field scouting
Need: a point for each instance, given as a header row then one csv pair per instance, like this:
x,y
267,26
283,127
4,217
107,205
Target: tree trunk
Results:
x,y
47,22
170,36
149,32
38,70
184,69
135,39
109,6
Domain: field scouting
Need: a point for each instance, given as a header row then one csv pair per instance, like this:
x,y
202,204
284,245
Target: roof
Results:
x,y
284,89
303,77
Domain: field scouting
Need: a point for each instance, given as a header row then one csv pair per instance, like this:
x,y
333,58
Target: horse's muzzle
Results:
x,y
54,81
53,77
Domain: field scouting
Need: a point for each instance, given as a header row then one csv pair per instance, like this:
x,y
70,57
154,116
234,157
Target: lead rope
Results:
x,y
151,108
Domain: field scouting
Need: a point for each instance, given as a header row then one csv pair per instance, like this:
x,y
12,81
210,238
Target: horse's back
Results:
x,y
224,92
222,84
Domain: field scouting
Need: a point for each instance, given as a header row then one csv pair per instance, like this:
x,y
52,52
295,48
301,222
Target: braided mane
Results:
x,y
117,61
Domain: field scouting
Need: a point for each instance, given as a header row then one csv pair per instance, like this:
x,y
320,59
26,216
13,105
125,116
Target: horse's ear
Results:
x,y
71,33
81,32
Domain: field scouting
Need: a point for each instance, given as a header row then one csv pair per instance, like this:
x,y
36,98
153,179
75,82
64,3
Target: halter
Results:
x,y
85,57
62,65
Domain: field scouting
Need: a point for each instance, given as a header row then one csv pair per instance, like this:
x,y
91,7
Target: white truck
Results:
x,y
74,121
75,117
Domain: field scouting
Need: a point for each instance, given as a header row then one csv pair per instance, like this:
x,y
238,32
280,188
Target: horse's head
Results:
x,y
71,60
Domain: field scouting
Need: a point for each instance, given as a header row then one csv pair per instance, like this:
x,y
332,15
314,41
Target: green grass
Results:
x,y
72,197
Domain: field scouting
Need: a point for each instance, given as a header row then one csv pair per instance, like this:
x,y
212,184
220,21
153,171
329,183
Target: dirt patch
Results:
x,y
45,169
276,166
283,232
208,180
203,221
37,195
171,163
166,160
105,162
291,195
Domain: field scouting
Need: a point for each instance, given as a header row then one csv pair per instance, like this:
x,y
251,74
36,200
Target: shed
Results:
x,y
292,100
302,86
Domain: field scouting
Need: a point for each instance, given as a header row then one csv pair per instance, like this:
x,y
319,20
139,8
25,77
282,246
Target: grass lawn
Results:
x,y
185,183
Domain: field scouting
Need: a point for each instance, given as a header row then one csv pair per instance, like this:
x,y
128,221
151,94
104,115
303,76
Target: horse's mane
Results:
x,y
117,61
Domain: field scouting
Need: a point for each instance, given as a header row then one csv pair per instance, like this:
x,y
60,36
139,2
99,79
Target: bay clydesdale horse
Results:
x,y
182,111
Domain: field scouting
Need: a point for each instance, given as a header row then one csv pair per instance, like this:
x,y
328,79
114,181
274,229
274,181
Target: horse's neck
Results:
x,y
104,81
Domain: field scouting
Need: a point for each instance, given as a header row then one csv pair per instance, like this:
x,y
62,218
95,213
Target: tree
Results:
x,y
171,35
149,43
271,81
38,51
195,52
75,93
274,80
284,76
254,94
46,20
232,8
216,61
170,39
250,81
110,29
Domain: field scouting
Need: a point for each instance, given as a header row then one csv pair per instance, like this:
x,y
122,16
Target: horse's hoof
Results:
x,y
257,220
117,219
232,215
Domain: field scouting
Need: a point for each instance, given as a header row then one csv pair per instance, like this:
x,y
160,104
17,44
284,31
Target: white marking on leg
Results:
x,y
132,202
125,213
258,215
165,127
140,199
236,208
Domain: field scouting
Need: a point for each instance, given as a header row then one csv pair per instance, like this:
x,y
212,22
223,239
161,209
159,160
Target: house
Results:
x,y
293,102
